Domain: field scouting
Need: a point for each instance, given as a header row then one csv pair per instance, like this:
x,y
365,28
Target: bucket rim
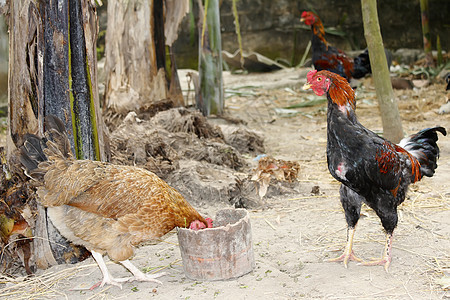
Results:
x,y
227,227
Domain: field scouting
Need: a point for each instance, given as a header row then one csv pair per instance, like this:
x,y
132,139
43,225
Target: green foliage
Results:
x,y
430,72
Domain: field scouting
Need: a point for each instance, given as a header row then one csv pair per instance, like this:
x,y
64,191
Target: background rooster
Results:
x,y
370,168
327,57
104,207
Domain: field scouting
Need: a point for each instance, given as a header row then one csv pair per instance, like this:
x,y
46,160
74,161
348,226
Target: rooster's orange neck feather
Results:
x,y
340,90
318,30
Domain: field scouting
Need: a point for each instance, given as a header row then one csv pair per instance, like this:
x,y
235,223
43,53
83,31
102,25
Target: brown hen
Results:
x,y
104,207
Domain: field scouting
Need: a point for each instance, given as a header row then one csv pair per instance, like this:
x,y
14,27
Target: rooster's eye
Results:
x,y
319,78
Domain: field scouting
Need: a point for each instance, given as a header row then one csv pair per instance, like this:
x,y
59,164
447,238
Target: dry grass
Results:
x,y
43,286
50,284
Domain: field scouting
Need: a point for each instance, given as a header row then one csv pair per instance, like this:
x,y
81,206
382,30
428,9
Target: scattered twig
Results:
x,y
270,224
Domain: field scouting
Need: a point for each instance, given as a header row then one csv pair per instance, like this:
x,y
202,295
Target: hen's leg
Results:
x,y
138,275
351,202
387,254
107,278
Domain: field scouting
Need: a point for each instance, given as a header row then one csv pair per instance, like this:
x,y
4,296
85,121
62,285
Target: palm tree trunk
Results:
x,y
52,70
139,66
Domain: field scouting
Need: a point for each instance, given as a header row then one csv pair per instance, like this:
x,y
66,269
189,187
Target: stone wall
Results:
x,y
273,28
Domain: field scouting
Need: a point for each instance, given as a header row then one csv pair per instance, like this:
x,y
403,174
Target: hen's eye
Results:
x,y
319,78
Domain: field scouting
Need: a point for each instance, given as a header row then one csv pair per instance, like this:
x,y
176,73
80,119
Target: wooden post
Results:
x,y
390,117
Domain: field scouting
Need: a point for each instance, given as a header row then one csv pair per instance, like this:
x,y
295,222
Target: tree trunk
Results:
x,y
24,71
210,100
52,70
140,68
390,117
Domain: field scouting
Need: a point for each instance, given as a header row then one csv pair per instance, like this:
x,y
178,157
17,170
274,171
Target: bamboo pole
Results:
x,y
426,33
390,117
210,100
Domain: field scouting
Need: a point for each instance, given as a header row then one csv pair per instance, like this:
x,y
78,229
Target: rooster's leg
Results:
x,y
387,255
107,278
351,203
138,275
348,252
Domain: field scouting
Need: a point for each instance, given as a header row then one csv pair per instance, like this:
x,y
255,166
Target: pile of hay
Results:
x,y
182,147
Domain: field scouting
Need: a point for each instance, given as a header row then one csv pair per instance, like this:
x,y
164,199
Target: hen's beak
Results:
x,y
302,19
306,86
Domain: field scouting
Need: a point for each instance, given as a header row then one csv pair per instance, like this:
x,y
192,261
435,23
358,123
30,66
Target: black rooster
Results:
x,y
327,57
371,169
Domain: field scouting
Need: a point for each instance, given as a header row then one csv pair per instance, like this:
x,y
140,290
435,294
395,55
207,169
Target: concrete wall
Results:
x,y
273,28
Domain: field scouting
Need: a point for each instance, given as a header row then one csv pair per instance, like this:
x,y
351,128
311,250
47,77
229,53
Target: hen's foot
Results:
x,y
118,281
138,275
148,277
109,280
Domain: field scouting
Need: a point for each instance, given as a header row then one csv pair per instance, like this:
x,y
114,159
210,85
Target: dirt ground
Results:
x,y
294,235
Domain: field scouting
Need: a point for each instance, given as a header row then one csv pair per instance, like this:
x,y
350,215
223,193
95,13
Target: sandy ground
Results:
x,y
294,235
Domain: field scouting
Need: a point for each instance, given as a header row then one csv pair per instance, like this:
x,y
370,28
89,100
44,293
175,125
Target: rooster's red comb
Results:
x,y
311,75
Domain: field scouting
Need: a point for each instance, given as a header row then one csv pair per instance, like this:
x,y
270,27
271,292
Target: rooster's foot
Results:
x,y
346,257
384,261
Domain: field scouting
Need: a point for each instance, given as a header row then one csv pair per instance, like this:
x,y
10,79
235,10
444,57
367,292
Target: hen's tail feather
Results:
x,y
32,154
423,146
56,132
33,146
35,151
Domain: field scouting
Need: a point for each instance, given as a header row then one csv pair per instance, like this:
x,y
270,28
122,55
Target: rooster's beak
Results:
x,y
306,86
302,19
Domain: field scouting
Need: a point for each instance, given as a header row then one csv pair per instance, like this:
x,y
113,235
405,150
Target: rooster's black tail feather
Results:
x,y
423,146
